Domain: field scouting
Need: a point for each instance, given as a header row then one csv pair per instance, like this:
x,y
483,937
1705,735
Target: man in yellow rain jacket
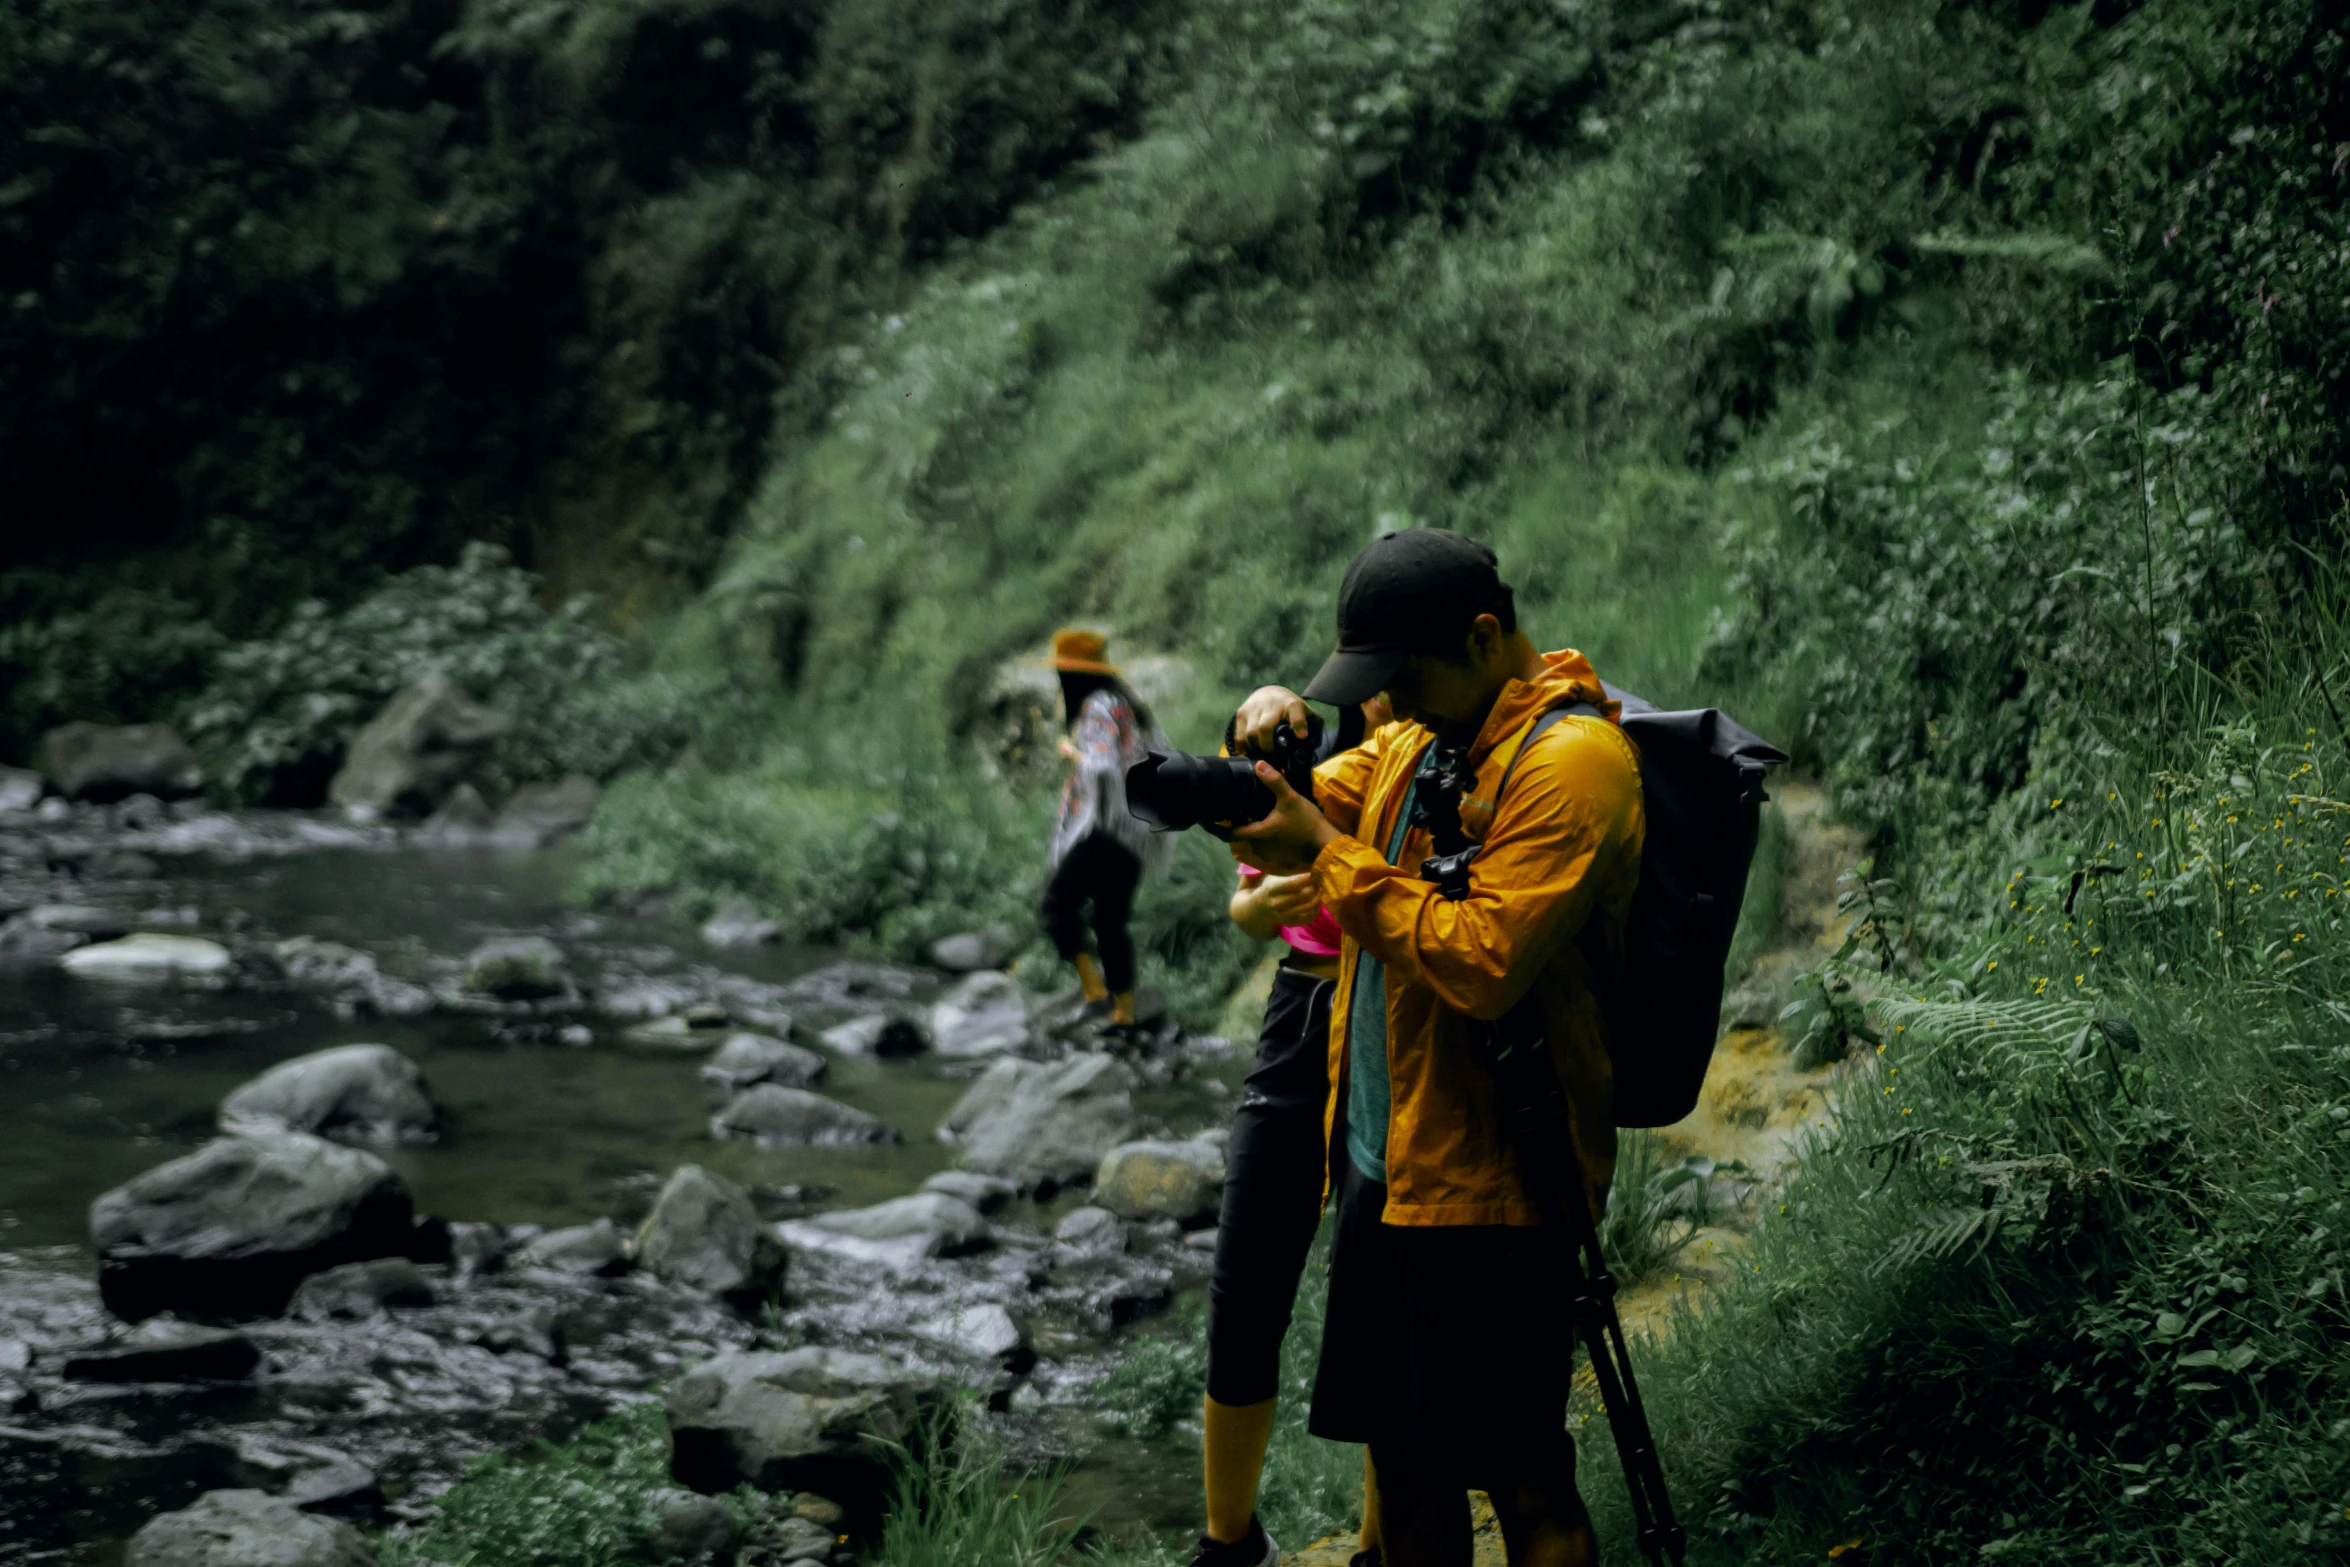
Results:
x,y
1447,1345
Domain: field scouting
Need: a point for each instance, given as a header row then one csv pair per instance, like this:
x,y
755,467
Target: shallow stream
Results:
x,y
547,1120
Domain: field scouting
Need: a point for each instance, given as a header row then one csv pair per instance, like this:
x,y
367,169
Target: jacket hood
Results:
x,y
1567,677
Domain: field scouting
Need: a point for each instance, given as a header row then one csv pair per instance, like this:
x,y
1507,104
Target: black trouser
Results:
x,y
1100,870
1272,1192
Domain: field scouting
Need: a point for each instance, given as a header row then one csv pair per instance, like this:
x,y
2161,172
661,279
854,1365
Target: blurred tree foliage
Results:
x,y
295,295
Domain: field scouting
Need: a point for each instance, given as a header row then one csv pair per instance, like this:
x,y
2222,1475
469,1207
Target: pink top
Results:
x,y
1317,939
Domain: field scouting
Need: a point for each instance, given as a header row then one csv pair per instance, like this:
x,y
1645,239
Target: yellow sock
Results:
x,y
1234,1459
1089,977
1122,1007
1368,1538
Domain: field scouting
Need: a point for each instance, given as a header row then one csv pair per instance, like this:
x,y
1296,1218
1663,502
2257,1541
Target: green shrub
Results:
x,y
587,1503
277,714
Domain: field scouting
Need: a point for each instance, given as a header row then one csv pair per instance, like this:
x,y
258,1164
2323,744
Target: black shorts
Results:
x,y
1451,1344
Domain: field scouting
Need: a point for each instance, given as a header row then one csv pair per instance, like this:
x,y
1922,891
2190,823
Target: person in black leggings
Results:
x,y
1099,849
1272,1205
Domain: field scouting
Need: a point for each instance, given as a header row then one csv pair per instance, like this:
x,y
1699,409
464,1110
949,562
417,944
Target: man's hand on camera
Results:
x,y
1267,709
1288,839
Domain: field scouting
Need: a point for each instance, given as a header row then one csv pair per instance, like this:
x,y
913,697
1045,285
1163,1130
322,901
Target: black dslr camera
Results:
x,y
1173,790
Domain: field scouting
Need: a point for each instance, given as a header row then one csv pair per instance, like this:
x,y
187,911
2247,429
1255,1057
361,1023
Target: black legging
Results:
x,y
1100,870
1272,1192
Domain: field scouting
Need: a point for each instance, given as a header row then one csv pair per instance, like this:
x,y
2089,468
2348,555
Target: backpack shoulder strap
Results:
x,y
1542,721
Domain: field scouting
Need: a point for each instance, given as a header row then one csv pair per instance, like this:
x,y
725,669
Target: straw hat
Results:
x,y
1078,651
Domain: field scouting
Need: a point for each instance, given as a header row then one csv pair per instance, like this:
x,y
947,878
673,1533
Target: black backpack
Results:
x,y
1701,777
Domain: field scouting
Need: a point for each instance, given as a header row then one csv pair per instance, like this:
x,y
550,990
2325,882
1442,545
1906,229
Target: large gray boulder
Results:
x,y
984,1014
420,747
897,1233
1038,1126
777,1117
892,1036
1155,1180
102,762
747,1060
704,1232
363,1094
802,1420
540,813
246,1529
231,1229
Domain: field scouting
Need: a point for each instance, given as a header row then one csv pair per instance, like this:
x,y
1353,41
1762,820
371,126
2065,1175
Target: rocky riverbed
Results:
x,y
341,1153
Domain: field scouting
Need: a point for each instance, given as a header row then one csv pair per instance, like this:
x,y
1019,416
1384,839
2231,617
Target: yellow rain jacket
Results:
x,y
1565,851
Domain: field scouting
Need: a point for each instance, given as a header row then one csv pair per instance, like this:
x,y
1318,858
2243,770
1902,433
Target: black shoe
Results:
x,y
1253,1549
1369,1558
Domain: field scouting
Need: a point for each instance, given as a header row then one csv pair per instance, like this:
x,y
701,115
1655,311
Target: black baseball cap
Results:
x,y
1416,591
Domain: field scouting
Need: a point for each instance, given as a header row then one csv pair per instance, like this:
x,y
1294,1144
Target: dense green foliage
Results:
x,y
293,297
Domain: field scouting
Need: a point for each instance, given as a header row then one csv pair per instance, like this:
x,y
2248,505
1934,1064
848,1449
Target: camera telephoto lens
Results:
x,y
1176,790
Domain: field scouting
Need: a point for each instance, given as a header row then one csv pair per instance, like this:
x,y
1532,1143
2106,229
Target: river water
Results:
x,y
548,1121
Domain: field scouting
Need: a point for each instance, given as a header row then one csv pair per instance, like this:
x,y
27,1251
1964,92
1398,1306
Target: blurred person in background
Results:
x,y
1099,850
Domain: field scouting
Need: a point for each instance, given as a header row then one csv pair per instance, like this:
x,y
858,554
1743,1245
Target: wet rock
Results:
x,y
102,763
167,1351
1091,1232
984,1332
646,998
22,939
985,1014
792,1541
464,817
899,1233
986,1193
805,1419
738,924
1200,1240
312,1477
692,1528
230,1229
540,813
746,1060
973,950
362,1094
822,1511
889,1035
517,968
80,918
1037,1125
851,984
704,1233
21,788
412,754
599,1249
351,976
358,1290
148,956
1152,1180
684,1032
247,1529
777,1117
